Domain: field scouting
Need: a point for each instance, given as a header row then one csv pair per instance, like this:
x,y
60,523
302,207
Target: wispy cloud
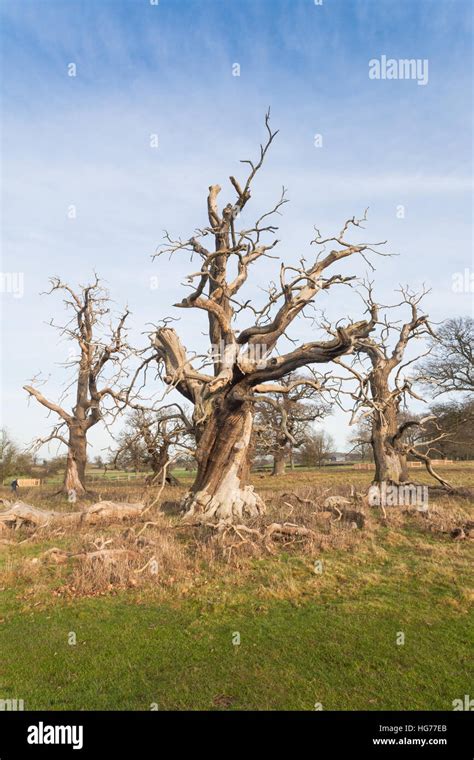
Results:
x,y
166,69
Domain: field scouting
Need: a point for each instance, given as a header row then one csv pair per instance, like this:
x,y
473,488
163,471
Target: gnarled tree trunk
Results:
x,y
74,478
279,462
390,462
246,362
159,458
221,490
388,466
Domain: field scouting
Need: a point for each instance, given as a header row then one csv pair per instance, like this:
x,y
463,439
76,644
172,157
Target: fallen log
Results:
x,y
104,511
336,501
103,556
25,515
281,530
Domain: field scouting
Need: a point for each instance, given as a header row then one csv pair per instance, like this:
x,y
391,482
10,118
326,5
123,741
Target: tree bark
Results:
x,y
74,478
221,490
279,462
388,467
159,458
403,468
390,463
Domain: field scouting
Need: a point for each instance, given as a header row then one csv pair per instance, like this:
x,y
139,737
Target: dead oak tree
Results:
x,y
98,347
245,362
153,438
283,421
383,385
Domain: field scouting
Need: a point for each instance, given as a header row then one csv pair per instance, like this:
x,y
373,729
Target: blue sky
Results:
x,y
166,69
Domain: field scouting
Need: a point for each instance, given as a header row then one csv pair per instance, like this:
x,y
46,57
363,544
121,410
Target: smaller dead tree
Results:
x,y
383,386
152,439
283,421
99,349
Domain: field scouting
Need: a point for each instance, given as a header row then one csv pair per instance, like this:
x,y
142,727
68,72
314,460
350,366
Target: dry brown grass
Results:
x,y
158,551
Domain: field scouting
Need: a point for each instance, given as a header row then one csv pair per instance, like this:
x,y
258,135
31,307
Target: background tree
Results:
x,y
186,462
449,431
101,345
361,440
316,449
382,384
53,466
450,364
129,453
153,439
8,455
245,361
283,422
13,461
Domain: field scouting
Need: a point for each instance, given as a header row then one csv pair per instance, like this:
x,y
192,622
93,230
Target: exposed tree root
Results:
x,y
170,479
463,531
299,499
274,531
287,532
336,508
224,505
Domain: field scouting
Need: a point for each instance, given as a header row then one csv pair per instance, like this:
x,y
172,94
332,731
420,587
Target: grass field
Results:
x,y
248,629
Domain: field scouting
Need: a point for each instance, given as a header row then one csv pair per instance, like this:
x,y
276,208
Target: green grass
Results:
x,y
333,642
458,473
305,638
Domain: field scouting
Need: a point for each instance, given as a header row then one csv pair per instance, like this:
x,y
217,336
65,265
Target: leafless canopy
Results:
x,y
153,438
381,368
450,366
244,361
98,349
283,420
383,352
